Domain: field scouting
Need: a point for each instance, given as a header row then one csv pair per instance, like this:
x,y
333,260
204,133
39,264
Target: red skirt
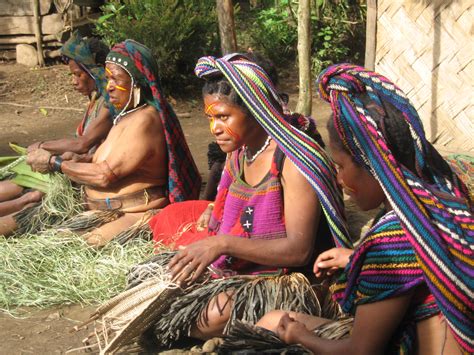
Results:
x,y
175,225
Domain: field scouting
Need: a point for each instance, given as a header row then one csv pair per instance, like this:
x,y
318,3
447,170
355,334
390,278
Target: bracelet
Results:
x,y
211,205
57,163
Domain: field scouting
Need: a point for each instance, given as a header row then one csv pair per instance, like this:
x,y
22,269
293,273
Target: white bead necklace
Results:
x,y
124,113
260,151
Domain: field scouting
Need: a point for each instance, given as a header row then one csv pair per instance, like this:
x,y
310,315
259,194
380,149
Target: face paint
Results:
x,y
121,88
212,124
231,132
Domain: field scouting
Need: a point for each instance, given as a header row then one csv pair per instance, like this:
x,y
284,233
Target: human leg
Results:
x,y
7,225
212,321
9,190
102,235
17,204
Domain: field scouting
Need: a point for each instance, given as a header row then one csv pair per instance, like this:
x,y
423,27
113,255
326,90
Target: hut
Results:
x,y
426,47
26,25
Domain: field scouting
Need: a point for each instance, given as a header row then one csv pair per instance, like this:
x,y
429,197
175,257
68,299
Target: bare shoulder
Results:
x,y
147,119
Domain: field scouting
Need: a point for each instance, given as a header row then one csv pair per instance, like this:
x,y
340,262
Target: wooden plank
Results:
x,y
50,24
25,39
371,34
22,7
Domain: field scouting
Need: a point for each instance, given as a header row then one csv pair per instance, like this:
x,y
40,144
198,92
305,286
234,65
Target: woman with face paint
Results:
x,y
409,283
86,60
267,222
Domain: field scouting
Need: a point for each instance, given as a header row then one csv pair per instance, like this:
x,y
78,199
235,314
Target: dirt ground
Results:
x,y
26,116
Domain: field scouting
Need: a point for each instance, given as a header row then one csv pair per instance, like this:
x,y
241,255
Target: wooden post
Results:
x,y
304,57
371,34
37,26
225,16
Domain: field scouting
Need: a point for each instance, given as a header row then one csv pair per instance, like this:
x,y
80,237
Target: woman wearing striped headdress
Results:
x,y
277,206
409,284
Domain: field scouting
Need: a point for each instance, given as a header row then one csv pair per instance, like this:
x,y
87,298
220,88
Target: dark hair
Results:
x,y
99,49
398,137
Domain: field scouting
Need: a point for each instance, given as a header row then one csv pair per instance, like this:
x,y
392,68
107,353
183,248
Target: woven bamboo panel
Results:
x,y
426,48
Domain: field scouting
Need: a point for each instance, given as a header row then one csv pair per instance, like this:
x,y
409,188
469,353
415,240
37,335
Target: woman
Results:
x,y
266,219
86,60
409,284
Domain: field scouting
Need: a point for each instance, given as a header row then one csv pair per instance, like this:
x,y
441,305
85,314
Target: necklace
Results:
x,y
124,113
260,151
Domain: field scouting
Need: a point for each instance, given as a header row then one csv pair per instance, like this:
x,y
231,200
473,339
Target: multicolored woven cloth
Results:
x,y
384,265
437,217
77,48
184,180
258,93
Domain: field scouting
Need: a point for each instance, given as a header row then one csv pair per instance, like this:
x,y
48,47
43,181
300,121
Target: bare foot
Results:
x,y
32,196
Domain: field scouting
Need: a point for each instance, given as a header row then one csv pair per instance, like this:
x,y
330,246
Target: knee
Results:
x,y
218,310
270,320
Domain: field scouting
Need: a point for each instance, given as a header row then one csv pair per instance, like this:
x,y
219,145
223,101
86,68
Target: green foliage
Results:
x,y
178,32
337,28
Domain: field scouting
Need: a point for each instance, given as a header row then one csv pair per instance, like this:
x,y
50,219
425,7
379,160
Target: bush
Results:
x,y
177,31
337,28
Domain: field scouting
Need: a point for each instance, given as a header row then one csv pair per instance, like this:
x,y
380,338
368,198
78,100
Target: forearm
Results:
x,y
77,145
322,346
91,174
277,252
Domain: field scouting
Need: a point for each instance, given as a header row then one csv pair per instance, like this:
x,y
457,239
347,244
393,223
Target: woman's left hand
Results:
x,y
39,160
193,259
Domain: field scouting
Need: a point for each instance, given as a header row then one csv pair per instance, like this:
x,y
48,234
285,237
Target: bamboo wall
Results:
x,y
426,47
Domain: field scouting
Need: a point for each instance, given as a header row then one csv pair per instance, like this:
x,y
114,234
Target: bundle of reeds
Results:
x,y
59,268
246,339
122,320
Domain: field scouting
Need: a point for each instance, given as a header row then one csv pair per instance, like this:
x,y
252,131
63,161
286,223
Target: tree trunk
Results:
x,y
225,15
304,57
39,39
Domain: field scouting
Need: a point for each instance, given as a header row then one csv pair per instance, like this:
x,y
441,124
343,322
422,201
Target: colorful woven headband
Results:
x,y
437,217
184,180
256,90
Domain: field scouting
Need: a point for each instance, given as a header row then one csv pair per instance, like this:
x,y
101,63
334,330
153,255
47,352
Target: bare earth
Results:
x,y
49,331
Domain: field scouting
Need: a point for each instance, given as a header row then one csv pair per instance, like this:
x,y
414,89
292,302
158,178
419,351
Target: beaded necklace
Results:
x,y
260,151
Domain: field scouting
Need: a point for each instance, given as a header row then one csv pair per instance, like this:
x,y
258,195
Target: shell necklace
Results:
x,y
124,113
260,151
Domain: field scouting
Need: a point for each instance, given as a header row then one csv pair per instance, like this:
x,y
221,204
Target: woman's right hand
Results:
x,y
331,260
203,221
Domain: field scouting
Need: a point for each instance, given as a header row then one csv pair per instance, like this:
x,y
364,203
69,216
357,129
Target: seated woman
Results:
x,y
144,163
276,201
409,284
86,60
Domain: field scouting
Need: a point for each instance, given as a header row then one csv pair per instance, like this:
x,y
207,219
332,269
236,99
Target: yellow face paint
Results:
x,y
212,124
121,88
108,71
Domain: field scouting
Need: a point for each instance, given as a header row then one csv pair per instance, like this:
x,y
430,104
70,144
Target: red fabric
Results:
x,y
175,225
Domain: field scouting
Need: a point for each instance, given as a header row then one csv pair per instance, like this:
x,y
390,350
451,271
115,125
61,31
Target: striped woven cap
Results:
x,y
258,93
437,217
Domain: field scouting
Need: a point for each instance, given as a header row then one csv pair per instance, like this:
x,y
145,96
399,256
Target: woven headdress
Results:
x,y
256,90
436,216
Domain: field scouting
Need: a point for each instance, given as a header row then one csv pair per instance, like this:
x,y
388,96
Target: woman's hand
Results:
x,y
331,260
192,260
34,146
291,331
203,221
39,160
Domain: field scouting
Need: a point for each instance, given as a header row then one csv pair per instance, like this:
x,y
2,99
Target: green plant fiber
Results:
x,y
55,268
